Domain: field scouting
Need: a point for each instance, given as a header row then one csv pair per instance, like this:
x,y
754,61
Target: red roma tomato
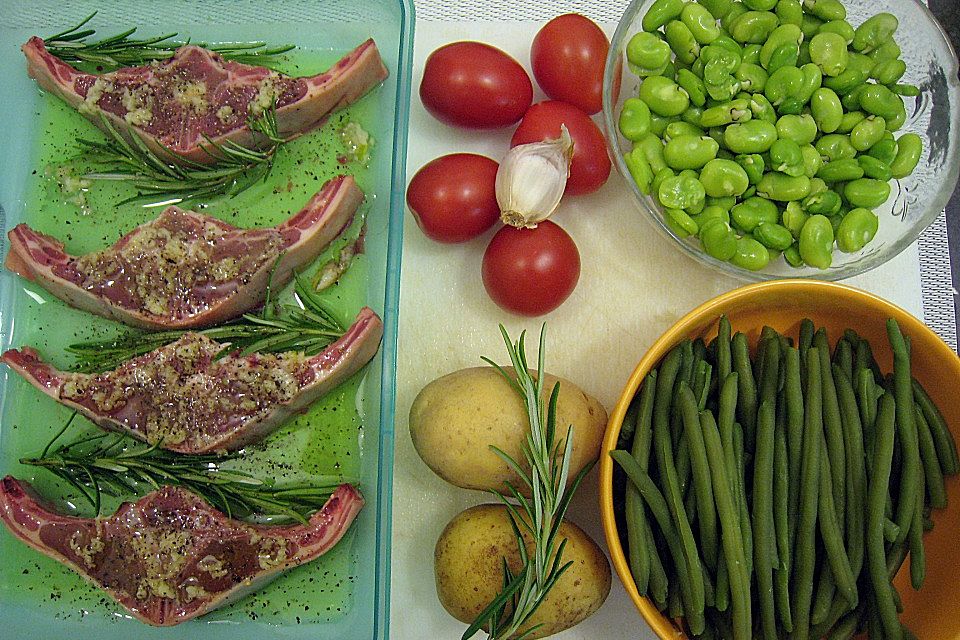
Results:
x,y
474,85
531,271
568,56
590,166
453,197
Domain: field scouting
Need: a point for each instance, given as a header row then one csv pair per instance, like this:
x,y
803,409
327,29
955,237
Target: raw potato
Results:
x,y
468,567
456,418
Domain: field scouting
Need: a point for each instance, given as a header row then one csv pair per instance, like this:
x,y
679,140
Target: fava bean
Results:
x,y
840,170
647,54
888,71
681,128
726,202
717,8
874,31
778,186
753,165
680,192
681,41
692,115
817,186
835,147
659,178
785,153
689,151
753,27
790,106
826,203
724,178
736,10
885,150
886,50
849,121
660,13
792,255
750,254
849,79
826,109
867,133
680,222
700,22
751,53
733,111
784,82
753,211
816,242
876,169
812,80
639,169
908,90
784,34
752,77
760,5
793,218
856,229
718,239
879,100
790,12
801,129
658,123
894,122
810,26
755,136
829,52
812,161
652,148
773,236
762,109
711,212
909,149
826,9
693,85
634,119
840,27
866,192
664,96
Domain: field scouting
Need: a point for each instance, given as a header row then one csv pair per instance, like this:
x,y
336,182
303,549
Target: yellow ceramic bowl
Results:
x,y
930,613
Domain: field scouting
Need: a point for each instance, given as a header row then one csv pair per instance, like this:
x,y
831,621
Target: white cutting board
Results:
x,y
633,285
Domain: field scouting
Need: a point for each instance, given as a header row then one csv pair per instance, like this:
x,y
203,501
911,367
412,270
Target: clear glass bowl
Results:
x,y
915,201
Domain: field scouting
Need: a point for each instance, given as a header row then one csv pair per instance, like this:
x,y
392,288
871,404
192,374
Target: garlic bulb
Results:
x,y
531,180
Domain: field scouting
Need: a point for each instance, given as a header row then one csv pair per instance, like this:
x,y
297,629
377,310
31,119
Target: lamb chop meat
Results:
x,y
182,396
174,105
184,269
169,556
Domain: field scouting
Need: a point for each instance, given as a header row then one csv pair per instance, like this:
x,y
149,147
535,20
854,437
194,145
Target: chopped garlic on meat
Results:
x,y
266,94
94,93
225,114
192,95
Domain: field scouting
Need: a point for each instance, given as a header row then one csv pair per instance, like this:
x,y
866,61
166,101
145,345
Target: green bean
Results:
x,y
833,430
793,396
722,596
880,480
739,464
823,597
667,470
933,476
724,362
731,537
831,534
918,565
638,544
706,513
747,401
890,530
856,477
658,507
942,438
906,429
804,544
658,586
781,518
764,543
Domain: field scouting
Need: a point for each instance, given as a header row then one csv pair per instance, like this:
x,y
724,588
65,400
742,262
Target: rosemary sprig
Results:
x,y
235,168
121,50
538,517
308,326
115,465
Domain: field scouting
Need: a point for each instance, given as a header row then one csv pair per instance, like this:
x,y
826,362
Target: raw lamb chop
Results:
x,y
184,269
169,556
181,396
172,105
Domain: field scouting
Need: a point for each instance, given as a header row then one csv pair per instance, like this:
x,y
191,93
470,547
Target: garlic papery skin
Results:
x,y
532,178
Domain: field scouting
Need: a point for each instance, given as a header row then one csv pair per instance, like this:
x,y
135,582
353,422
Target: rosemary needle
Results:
x,y
121,50
115,465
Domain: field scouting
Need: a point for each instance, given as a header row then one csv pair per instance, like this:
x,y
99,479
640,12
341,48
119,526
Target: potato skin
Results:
x,y
468,568
455,419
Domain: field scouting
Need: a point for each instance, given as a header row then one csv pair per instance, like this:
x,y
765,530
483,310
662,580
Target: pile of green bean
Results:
x,y
766,126
777,496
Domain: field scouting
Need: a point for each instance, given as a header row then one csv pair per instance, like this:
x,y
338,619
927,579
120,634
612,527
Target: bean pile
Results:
x,y
766,126
778,496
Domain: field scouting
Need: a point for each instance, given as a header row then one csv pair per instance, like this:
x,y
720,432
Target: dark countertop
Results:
x,y
948,13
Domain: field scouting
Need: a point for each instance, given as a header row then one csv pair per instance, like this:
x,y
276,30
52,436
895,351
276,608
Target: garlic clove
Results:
x,y
532,178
